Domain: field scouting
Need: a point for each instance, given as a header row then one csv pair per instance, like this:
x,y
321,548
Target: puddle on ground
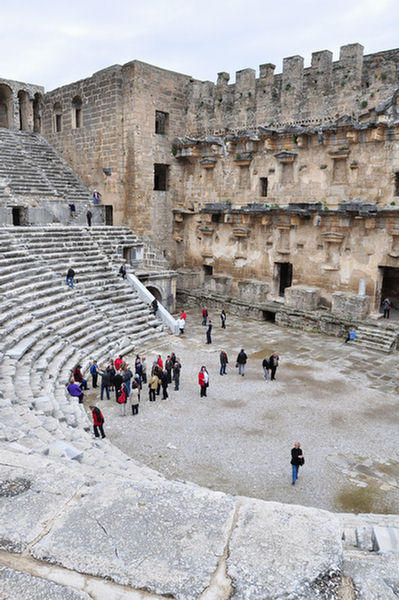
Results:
x,y
233,403
364,500
389,469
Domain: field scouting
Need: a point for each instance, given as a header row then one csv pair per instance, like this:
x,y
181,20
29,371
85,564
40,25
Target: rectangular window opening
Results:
x,y
397,184
208,270
263,187
78,118
161,177
161,122
58,123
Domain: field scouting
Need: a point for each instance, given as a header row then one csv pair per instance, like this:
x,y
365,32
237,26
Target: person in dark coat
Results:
x,y
105,382
223,319
241,362
122,271
164,384
70,277
118,380
208,332
274,361
98,421
168,368
176,373
223,362
266,367
297,460
89,216
386,305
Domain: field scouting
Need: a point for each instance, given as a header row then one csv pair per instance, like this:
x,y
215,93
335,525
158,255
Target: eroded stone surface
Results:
x,y
32,492
166,537
281,549
15,585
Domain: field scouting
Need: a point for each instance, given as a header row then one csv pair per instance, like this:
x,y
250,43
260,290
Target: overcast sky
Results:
x,y
52,43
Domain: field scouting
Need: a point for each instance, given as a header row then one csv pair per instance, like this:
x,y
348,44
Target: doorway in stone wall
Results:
x,y
109,214
282,277
19,215
390,288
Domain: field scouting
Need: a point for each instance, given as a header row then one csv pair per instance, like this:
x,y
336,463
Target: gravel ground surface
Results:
x,y
340,401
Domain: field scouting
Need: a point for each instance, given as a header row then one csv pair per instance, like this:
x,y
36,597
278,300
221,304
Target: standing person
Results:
x,y
127,378
183,314
112,373
118,362
122,270
223,319
266,367
208,332
118,381
89,216
72,209
181,323
204,315
138,369
144,369
98,421
96,197
105,382
154,305
159,361
70,276
164,383
135,397
274,362
121,398
176,373
241,362
297,460
94,373
153,386
168,368
223,362
386,305
203,380
78,377
74,389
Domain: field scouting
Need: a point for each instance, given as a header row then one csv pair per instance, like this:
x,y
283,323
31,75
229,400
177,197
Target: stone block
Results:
x,y
16,585
67,450
349,306
253,290
385,539
302,297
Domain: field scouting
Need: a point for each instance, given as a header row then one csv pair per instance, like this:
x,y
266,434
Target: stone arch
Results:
x,y
77,112
24,109
6,103
37,113
57,109
155,292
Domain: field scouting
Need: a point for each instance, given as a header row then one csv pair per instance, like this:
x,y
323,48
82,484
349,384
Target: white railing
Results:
x,y
147,297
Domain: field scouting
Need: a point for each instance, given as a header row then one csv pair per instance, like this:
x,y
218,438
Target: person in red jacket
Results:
x,y
203,380
122,399
204,315
98,421
118,362
159,362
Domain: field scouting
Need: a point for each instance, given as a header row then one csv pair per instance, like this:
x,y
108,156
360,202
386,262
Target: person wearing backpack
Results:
x,y
266,367
98,421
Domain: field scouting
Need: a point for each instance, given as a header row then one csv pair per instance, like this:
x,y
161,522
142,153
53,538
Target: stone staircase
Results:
x,y
376,338
30,169
46,328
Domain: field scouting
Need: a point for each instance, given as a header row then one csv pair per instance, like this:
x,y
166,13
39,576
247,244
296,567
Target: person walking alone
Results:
x,y
297,460
208,332
203,380
241,362
223,319
386,305
223,362
70,276
204,315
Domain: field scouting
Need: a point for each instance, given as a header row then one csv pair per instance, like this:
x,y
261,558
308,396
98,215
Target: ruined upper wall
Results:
x,y
20,105
318,94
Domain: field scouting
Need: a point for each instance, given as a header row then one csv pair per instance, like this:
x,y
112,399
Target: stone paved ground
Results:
x,y
339,401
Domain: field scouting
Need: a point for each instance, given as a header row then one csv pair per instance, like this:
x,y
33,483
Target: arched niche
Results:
x,y
24,110
77,112
155,292
5,106
37,113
